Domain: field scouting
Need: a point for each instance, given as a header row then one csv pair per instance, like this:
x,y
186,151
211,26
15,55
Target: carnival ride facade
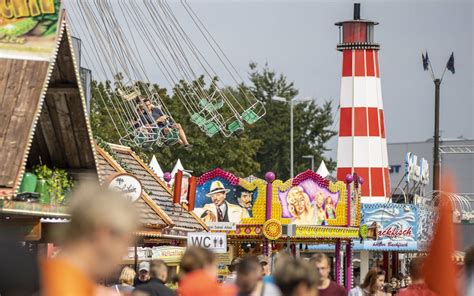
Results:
x,y
307,210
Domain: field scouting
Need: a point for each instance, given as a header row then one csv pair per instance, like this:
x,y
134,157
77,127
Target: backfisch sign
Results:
x,y
397,224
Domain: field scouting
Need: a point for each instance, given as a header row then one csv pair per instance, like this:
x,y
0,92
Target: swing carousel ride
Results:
x,y
113,35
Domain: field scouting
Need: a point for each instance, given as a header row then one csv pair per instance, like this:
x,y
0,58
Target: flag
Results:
x,y
426,61
450,64
178,179
191,193
439,269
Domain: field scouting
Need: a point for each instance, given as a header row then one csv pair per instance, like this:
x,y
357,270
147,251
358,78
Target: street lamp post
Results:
x,y
436,164
291,103
437,82
312,160
292,148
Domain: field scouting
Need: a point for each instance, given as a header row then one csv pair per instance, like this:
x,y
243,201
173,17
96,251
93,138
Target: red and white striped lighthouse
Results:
x,y
362,146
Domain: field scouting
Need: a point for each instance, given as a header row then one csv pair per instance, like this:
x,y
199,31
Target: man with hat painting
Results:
x,y
220,210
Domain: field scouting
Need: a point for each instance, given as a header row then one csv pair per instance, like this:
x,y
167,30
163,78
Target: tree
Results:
x,y
312,125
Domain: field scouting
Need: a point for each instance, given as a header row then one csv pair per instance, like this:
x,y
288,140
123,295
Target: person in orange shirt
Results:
x,y
94,243
418,286
198,276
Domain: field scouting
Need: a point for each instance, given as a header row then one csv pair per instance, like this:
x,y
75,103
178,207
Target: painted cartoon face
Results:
x,y
297,200
218,198
246,198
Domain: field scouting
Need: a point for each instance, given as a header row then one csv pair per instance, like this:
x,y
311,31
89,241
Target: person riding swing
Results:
x,y
165,122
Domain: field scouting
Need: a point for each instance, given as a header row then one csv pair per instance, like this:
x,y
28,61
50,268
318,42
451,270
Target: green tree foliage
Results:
x,y
262,147
312,125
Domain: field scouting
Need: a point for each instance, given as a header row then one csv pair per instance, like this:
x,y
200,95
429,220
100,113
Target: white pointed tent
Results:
x,y
323,170
155,166
177,166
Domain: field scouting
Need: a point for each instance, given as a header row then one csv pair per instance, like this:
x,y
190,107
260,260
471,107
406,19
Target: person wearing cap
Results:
x,y
266,268
249,279
143,274
233,270
156,284
220,210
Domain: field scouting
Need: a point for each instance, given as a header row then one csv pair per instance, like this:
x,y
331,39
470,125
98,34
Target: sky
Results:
x,y
298,39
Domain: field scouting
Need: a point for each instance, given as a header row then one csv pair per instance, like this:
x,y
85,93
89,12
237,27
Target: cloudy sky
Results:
x,y
298,38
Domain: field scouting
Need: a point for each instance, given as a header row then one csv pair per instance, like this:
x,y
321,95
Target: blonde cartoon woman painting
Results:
x,y
320,212
330,208
299,206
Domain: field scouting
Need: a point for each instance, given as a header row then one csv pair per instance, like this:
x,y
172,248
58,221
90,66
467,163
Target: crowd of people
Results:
x,y
252,276
97,237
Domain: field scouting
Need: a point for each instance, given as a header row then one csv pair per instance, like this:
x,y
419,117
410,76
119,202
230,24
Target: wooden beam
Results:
x,y
38,150
50,137
80,130
61,85
63,90
59,114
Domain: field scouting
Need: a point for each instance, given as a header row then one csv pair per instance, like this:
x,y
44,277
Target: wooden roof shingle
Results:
x,y
158,191
148,215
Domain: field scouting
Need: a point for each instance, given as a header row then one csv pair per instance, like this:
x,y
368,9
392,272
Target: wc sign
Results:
x,y
213,241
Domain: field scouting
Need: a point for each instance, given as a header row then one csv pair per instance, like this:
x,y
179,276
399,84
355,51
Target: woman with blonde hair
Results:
x,y
125,286
320,212
372,285
299,206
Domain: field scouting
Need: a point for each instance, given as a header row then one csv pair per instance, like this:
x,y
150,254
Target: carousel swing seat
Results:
x,y
208,126
235,126
254,113
250,116
197,119
172,137
129,95
211,128
210,106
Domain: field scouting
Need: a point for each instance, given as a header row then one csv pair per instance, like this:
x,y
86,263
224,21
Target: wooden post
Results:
x,y
385,264
135,263
348,273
